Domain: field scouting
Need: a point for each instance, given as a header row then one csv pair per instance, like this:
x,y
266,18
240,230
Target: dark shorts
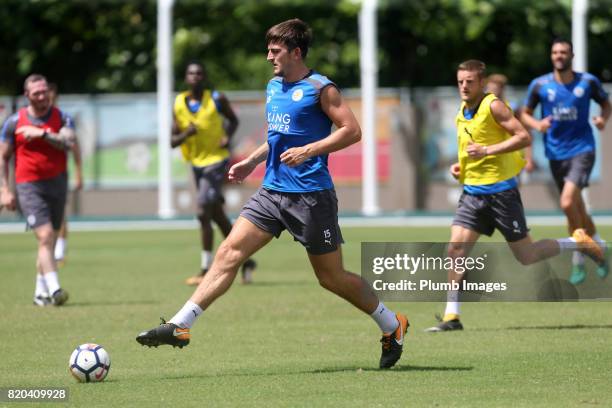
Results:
x,y
209,182
487,212
43,201
576,169
312,218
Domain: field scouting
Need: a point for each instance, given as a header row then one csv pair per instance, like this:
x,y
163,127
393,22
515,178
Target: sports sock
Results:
x,y
187,315
385,318
52,281
60,248
577,258
207,258
41,286
567,244
452,305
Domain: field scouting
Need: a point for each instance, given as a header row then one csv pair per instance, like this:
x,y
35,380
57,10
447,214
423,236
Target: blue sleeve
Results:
x,y
7,134
216,95
67,120
598,94
533,95
320,81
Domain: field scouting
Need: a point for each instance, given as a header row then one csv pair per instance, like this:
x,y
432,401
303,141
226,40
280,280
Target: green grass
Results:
x,y
284,341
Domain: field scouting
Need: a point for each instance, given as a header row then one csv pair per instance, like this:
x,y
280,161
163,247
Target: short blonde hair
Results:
x,y
499,79
473,65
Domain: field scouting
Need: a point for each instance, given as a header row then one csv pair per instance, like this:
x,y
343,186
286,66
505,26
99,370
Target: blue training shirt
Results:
x,y
295,118
570,133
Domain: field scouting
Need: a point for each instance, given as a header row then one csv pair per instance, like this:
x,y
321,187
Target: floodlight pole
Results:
x,y
369,72
164,106
579,34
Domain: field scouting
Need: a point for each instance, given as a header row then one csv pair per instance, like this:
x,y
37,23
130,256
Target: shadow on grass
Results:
x,y
555,327
394,369
329,370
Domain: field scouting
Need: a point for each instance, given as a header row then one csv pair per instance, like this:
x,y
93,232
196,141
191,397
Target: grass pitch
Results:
x,y
284,341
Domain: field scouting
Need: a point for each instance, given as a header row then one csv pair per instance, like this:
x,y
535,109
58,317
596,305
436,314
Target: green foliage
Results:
x,y
109,45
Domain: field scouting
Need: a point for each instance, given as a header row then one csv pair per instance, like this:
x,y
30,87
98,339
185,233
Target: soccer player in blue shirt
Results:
x,y
565,96
297,194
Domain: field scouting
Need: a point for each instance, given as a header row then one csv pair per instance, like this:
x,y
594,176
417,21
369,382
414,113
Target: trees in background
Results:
x,y
109,46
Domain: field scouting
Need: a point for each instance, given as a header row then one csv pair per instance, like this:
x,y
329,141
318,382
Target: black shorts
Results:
x,y
209,182
487,212
43,201
576,169
312,218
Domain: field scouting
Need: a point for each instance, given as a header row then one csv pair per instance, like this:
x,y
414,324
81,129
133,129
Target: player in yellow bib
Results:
x,y
490,138
203,123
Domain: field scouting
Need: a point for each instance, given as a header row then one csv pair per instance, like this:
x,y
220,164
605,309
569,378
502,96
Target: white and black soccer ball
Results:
x,y
89,363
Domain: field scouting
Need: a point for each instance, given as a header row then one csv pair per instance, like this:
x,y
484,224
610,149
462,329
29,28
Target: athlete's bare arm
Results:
x,y
519,138
539,125
62,140
78,163
347,132
239,171
455,170
601,120
7,198
178,137
231,124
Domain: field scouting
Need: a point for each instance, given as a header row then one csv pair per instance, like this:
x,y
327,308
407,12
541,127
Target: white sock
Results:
x,y
207,259
385,318
577,258
51,281
567,244
41,286
187,315
60,248
452,302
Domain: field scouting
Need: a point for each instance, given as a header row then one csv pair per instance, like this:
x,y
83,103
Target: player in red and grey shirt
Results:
x,y
38,135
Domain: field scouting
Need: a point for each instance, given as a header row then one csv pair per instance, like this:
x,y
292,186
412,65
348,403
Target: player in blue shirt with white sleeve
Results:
x,y
297,194
565,97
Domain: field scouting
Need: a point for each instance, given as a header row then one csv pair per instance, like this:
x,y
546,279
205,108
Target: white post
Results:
x,y
579,34
580,63
164,106
369,72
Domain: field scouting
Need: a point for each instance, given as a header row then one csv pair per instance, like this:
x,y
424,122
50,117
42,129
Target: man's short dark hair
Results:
x,y
562,40
32,78
473,65
292,33
194,62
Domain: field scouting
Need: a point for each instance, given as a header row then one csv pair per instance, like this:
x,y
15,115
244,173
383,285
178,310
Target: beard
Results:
x,y
563,66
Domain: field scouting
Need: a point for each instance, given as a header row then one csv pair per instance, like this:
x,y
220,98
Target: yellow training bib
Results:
x,y
484,130
203,148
